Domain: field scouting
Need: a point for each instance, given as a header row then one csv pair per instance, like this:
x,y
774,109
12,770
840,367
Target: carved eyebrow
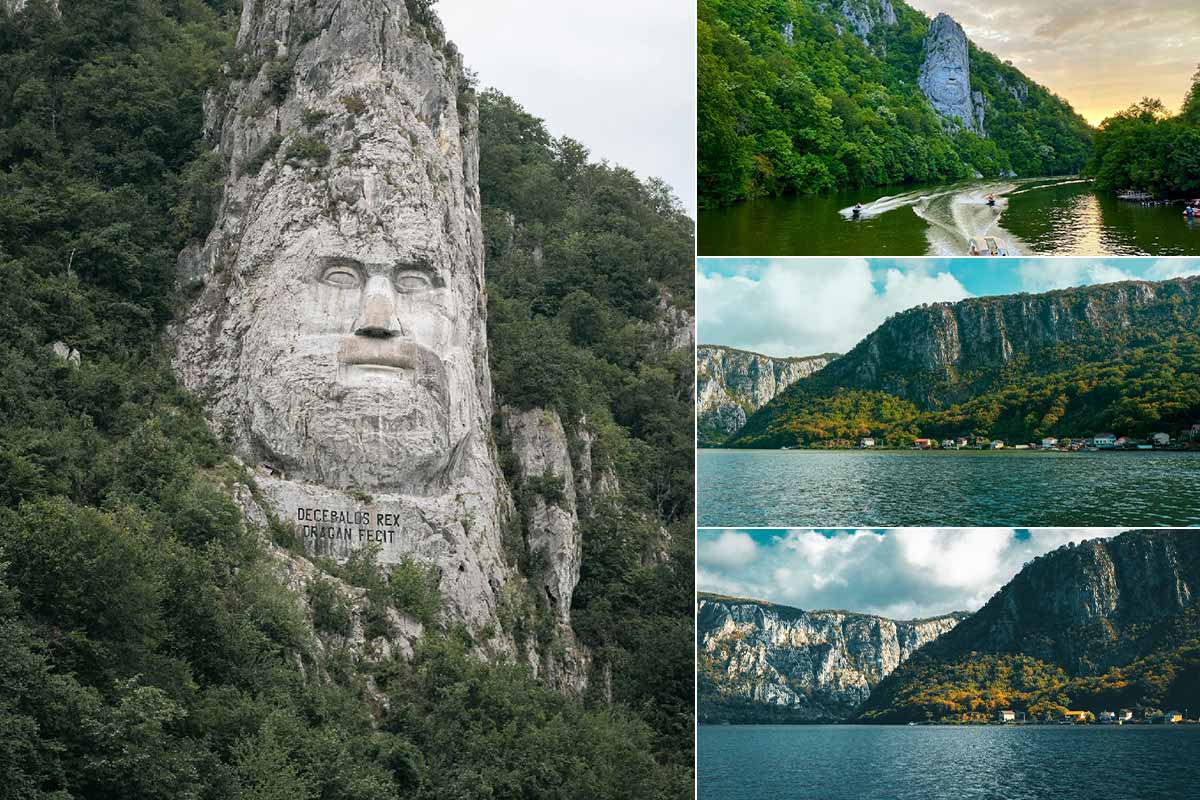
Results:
x,y
423,266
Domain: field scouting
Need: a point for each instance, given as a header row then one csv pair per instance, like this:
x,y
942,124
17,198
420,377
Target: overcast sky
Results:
x,y
617,75
901,573
807,306
1101,55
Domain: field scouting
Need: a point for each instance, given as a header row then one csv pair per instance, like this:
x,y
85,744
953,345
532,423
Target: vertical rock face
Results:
x,y
1090,606
762,662
945,76
552,521
925,354
339,334
865,16
731,384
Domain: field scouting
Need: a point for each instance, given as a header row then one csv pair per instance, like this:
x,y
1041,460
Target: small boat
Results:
x,y
988,246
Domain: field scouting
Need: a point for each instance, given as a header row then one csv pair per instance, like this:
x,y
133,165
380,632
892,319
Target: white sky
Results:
x,y
618,75
902,573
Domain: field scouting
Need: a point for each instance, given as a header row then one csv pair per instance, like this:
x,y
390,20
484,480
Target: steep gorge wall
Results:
x,y
939,354
731,384
762,662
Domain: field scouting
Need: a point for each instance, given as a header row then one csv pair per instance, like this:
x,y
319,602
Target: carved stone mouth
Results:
x,y
366,351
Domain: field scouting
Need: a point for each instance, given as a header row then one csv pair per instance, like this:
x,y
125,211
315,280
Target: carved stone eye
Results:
x,y
341,277
412,282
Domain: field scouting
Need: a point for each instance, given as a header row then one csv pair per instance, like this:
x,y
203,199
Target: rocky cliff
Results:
x,y
761,662
1085,610
942,353
864,16
1083,348
731,384
945,76
1088,606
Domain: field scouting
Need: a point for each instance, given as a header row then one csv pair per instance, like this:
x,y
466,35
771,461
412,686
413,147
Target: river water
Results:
x,y
1033,216
850,488
856,762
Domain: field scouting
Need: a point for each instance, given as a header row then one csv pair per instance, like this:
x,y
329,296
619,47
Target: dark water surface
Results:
x,y
1060,217
836,488
853,762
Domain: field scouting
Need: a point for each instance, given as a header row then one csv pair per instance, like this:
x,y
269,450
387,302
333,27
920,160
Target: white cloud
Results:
x,y
618,76
1044,274
730,549
1167,268
798,307
901,573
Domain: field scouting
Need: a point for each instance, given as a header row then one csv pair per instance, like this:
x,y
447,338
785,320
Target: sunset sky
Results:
x,y
1101,55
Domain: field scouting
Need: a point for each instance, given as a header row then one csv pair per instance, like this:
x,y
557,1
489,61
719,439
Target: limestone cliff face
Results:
x,y
763,662
1089,606
732,384
945,76
864,16
337,331
936,355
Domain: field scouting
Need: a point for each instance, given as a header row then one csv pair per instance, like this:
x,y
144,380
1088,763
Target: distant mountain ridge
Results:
x,y
764,662
731,384
1106,621
1120,356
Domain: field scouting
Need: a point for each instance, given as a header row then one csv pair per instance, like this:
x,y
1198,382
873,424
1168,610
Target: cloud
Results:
x,y
1042,275
1101,55
729,549
809,306
898,573
618,76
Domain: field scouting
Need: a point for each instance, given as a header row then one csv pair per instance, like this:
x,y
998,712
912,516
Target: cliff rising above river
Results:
x,y
1120,357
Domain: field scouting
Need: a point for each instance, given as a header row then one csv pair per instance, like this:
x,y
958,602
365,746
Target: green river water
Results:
x,y
1046,216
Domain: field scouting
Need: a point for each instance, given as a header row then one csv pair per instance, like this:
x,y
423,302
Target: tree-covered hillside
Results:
x,y
788,104
1070,363
148,645
1147,148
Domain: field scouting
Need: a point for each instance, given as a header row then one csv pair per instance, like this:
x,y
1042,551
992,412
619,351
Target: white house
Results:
x,y
866,441
1172,717
1124,715
948,444
996,445
1160,439
1049,443
1006,716
961,442
1105,440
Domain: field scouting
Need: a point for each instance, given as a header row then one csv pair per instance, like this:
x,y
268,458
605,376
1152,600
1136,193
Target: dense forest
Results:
x,y
1131,375
788,104
1147,148
148,649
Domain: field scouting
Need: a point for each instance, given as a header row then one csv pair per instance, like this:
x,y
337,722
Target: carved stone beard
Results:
x,y
349,426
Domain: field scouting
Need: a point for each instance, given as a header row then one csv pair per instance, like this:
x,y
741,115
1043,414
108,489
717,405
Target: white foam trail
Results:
x,y
956,214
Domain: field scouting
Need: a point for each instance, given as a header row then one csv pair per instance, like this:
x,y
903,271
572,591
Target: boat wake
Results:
x,y
957,214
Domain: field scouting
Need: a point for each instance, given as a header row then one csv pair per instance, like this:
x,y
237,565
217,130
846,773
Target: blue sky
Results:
x,y
901,573
806,306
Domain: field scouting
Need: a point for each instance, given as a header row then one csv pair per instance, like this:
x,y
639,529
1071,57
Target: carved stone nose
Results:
x,y
378,315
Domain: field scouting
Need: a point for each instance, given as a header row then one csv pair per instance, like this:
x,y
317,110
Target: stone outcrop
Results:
x,y
1089,606
762,662
864,16
338,332
731,384
942,353
539,443
945,76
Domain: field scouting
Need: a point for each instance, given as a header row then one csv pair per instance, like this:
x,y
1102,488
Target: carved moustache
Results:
x,y
379,352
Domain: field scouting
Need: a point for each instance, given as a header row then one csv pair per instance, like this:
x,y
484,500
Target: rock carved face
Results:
x,y
356,359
